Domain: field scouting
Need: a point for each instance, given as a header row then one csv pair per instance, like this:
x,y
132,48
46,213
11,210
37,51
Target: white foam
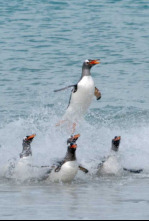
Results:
x,y
93,145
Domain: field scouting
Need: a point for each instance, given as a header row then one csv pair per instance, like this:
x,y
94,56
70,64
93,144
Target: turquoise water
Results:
x,y
43,45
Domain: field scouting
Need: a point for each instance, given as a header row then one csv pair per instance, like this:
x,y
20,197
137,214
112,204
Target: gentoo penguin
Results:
x,y
24,166
115,147
19,167
27,151
111,164
66,170
82,95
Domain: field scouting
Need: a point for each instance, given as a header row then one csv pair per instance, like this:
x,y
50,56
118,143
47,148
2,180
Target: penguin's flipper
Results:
x,y
39,167
133,171
102,162
45,167
51,168
57,167
100,166
97,93
65,88
83,169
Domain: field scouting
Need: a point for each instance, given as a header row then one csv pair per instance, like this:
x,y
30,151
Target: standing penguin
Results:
x,y
82,95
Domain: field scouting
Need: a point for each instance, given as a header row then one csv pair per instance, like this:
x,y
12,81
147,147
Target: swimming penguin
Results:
x,y
19,167
111,164
27,151
82,95
23,167
66,170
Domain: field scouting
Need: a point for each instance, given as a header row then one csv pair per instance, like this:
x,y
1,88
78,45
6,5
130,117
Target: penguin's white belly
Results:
x,y
110,167
24,162
23,168
67,173
81,99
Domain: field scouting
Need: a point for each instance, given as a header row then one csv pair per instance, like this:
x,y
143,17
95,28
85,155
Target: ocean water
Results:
x,y
43,45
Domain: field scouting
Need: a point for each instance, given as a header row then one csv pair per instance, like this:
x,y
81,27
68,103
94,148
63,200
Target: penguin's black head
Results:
x,y
71,142
88,64
28,140
116,143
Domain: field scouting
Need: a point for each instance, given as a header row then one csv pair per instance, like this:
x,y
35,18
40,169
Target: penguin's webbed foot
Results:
x,y
60,123
97,93
74,128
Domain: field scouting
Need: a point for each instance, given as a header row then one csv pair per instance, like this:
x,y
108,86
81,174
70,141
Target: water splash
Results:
x,y
94,144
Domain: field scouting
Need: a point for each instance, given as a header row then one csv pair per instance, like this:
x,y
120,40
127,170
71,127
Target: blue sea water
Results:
x,y
43,45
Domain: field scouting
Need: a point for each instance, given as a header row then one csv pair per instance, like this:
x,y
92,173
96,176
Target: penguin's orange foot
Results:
x,y
97,93
74,128
60,123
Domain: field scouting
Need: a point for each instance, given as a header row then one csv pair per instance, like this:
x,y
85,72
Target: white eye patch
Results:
x,y
25,139
86,61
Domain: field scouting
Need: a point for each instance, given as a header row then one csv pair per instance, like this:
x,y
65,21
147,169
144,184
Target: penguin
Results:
x,y
82,95
27,151
65,171
24,167
111,164
21,166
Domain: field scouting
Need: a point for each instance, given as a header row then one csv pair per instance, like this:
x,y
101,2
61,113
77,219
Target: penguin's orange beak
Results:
x,y
74,139
76,136
94,62
74,146
31,137
117,139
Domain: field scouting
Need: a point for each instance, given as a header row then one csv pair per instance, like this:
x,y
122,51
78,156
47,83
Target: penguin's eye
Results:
x,y
87,62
